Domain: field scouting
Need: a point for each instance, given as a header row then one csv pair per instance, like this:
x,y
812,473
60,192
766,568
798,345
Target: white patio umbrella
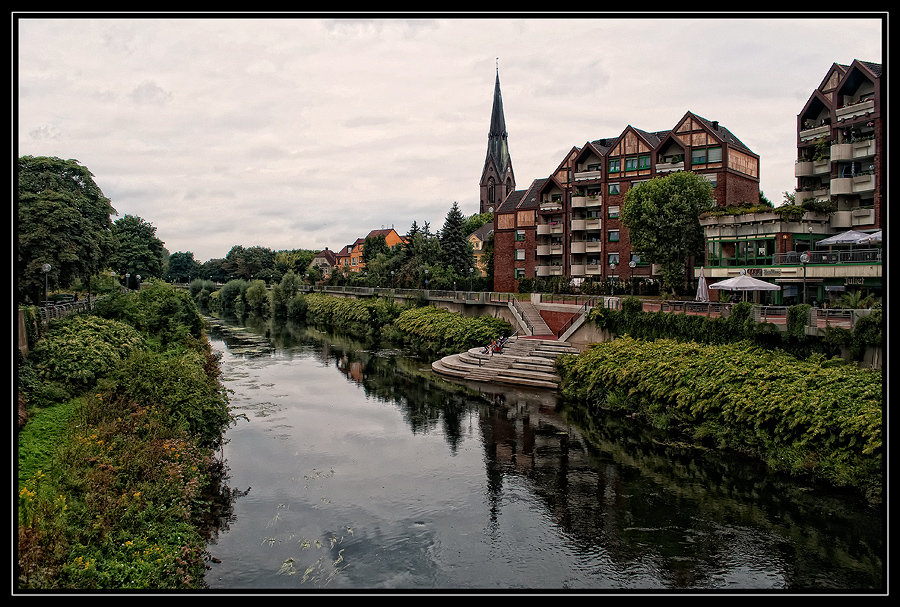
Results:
x,y
848,237
873,238
744,283
702,289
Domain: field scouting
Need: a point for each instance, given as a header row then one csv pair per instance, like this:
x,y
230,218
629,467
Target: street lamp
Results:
x,y
138,278
631,265
612,269
470,278
426,279
127,281
803,259
46,268
392,279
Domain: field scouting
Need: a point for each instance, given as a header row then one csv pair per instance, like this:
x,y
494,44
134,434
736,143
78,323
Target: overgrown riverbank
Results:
x,y
814,417
126,412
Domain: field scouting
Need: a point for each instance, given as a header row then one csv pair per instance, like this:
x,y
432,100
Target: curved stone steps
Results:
x,y
529,363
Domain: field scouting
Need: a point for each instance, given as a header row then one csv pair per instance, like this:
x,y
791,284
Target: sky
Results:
x,y
299,132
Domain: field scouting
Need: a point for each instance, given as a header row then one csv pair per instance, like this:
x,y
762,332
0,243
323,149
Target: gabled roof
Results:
x,y
483,232
523,199
722,133
328,256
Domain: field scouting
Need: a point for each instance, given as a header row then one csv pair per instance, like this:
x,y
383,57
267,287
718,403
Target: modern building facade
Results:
x,y
569,224
840,187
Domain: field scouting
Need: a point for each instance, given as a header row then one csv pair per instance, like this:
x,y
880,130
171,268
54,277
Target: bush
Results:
x,y
80,349
166,314
439,330
815,417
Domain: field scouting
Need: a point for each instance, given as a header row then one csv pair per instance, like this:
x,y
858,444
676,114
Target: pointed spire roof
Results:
x,y
498,149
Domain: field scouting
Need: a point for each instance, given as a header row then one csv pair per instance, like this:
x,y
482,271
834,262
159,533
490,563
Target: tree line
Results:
x,y
67,239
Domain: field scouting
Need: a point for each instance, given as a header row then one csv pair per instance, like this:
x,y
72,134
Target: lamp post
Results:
x,y
631,265
803,259
392,279
138,278
46,269
426,279
470,278
127,281
612,269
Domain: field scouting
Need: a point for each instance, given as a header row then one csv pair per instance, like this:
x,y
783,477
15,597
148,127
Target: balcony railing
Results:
x,y
792,258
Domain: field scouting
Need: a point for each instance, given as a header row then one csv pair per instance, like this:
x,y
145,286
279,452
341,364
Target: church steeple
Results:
x,y
497,179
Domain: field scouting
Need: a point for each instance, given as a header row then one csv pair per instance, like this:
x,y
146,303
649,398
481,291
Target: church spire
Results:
x,y
498,148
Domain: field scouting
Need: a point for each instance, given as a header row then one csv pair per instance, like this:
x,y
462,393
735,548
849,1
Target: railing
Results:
x,y
819,257
52,312
521,312
581,312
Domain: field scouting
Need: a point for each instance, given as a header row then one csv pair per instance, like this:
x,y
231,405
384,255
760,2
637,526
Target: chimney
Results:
x,y
716,124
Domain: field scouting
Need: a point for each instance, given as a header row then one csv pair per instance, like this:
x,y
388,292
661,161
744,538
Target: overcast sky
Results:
x,y
308,133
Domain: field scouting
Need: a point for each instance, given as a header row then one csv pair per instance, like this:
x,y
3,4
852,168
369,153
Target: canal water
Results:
x,y
356,469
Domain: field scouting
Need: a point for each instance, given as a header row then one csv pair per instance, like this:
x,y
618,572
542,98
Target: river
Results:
x,y
359,470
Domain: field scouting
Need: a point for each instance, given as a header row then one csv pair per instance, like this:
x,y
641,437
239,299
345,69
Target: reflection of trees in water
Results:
x,y
221,498
614,486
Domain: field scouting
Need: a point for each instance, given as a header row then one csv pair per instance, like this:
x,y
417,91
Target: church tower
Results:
x,y
497,179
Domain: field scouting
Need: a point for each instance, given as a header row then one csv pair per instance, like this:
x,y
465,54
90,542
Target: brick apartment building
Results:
x,y
569,224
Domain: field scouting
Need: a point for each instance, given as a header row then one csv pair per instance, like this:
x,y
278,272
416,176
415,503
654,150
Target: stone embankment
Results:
x,y
524,362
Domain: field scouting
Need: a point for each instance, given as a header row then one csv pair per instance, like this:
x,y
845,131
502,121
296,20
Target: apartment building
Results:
x,y
573,217
840,187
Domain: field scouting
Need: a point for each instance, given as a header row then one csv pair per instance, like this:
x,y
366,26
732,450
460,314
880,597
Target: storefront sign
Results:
x,y
763,271
854,280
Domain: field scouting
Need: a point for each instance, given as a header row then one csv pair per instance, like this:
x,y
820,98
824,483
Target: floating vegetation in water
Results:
x,y
287,567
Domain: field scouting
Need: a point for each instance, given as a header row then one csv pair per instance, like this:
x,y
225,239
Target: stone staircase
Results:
x,y
524,362
533,316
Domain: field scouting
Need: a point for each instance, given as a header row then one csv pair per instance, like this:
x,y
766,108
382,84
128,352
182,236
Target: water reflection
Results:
x,y
528,493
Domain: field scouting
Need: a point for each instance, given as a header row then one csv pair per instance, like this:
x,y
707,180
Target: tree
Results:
x,y
182,267
457,251
138,251
374,245
63,220
476,221
662,216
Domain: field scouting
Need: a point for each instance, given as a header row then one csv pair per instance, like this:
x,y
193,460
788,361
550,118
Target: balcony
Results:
x,y
579,202
818,194
807,135
578,270
854,150
593,224
668,167
853,185
849,112
543,249
811,168
593,270
578,225
593,246
853,218
584,175
579,246
551,205
543,229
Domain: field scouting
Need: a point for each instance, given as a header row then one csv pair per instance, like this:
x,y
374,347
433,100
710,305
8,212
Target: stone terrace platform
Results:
x,y
524,362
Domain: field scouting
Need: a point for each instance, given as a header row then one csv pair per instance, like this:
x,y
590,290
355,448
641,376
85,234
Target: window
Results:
x,y
614,165
613,236
520,235
698,156
613,212
520,254
714,154
631,164
593,167
613,188
712,178
613,258
519,273
643,162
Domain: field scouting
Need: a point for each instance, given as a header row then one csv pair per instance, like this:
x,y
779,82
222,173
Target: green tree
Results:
x,y
138,251
456,249
373,246
662,216
475,221
213,270
182,267
63,220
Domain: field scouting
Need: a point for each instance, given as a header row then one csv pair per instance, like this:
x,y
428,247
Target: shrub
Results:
x,y
440,330
165,313
80,349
